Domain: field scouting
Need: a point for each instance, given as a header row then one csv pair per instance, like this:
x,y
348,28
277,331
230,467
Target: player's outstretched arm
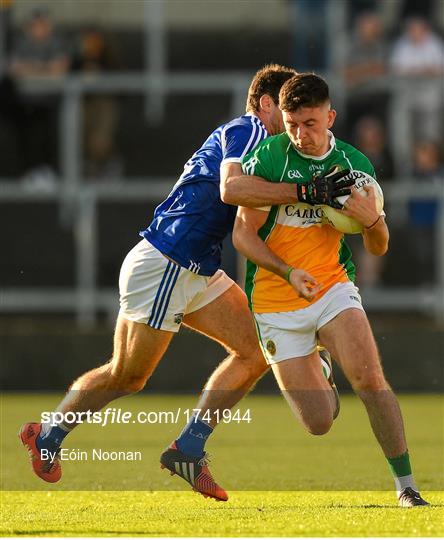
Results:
x,y
246,241
239,189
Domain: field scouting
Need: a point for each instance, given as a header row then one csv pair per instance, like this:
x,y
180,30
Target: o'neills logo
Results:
x,y
304,213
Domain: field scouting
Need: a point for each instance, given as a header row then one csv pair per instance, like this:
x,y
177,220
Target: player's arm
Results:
x,y
247,241
253,191
239,189
363,209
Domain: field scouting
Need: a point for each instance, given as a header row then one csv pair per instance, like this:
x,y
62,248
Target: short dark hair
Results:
x,y
267,80
303,90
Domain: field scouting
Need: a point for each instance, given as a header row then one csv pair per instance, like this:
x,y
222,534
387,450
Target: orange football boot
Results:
x,y
46,469
193,470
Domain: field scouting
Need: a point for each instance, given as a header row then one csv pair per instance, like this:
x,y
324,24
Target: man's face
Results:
x,y
369,28
417,30
40,29
307,128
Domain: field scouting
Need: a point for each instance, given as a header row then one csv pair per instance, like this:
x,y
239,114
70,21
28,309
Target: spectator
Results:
x,y
370,139
418,55
39,52
364,64
96,54
428,166
366,51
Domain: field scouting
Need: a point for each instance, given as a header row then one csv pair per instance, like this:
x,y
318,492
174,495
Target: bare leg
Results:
x,y
138,349
349,338
228,321
307,391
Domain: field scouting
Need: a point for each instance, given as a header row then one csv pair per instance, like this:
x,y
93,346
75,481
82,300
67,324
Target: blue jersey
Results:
x,y
191,223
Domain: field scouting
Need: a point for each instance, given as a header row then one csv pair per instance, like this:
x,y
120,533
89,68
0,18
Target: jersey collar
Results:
x,y
249,113
324,156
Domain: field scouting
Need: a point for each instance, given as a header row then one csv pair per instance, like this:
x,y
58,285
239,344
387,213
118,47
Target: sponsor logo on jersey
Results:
x,y
301,215
304,212
315,167
294,174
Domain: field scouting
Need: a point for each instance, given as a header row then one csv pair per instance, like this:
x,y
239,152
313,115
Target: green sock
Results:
x,y
402,472
400,465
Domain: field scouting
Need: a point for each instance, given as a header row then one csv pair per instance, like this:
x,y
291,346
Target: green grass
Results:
x,y
245,514
282,481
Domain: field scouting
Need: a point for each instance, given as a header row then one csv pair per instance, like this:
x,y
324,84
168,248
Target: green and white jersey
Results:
x,y
297,232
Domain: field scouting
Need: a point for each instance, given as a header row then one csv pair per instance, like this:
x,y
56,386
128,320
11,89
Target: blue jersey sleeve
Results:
x,y
239,139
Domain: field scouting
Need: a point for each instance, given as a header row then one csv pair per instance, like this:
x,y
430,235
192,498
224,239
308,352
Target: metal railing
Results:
x,y
85,299
78,201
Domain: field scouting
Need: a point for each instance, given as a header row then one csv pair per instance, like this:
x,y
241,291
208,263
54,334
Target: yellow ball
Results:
x,y
340,221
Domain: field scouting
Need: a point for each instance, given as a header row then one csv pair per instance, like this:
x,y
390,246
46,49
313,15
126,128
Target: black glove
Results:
x,y
323,188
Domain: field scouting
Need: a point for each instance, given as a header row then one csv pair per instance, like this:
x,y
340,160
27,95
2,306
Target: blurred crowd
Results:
x,y
393,72
32,119
409,52
416,58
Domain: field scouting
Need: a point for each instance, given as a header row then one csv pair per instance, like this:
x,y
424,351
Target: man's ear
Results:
x,y
265,102
331,118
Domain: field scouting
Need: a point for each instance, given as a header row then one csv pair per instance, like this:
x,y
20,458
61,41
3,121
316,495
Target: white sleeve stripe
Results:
x,y
258,122
259,137
247,147
261,125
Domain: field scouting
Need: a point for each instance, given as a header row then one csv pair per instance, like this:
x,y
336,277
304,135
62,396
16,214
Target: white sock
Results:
x,y
401,482
47,426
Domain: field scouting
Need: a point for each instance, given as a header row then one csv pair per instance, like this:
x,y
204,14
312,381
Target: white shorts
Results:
x,y
290,334
157,291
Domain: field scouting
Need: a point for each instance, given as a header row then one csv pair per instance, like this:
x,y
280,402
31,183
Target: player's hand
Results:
x,y
363,209
323,188
304,284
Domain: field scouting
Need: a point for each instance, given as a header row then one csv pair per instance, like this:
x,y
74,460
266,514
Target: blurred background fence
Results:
x,y
101,104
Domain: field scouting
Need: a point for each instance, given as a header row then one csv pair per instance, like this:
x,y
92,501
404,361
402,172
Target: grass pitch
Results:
x,y
282,481
129,513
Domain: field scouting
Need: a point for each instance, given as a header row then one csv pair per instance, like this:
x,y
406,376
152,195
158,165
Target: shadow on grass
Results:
x,y
331,506
80,534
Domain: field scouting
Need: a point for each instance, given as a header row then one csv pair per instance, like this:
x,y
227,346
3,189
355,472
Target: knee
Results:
x,y
131,385
253,362
369,381
319,426
317,421
125,381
